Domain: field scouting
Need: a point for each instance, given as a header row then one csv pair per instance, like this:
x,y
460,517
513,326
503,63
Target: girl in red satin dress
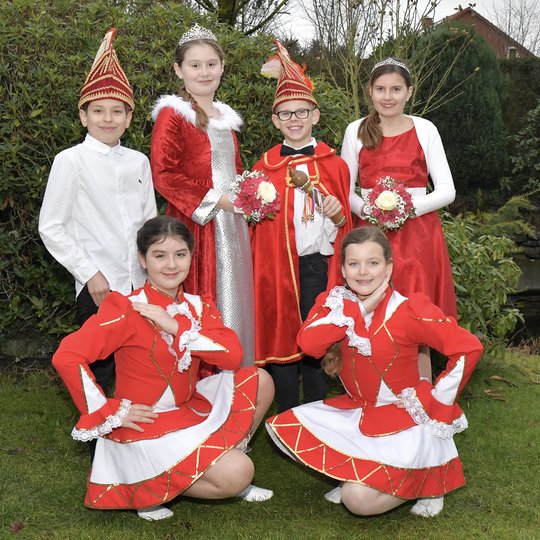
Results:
x,y
164,433
408,149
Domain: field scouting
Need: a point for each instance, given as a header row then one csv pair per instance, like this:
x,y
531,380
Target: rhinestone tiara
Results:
x,y
197,32
390,62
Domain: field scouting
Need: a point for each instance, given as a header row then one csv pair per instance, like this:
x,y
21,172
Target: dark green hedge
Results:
x,y
47,50
471,125
523,79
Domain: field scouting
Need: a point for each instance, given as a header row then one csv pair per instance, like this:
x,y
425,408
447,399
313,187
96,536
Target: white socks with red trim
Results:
x,y
428,507
155,513
255,494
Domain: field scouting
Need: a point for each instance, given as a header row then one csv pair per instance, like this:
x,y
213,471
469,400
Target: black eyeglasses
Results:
x,y
301,114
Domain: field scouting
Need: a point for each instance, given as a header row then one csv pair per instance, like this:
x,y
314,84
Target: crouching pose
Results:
x,y
164,433
389,439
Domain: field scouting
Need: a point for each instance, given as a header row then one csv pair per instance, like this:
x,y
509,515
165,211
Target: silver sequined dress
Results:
x,y
234,273
180,169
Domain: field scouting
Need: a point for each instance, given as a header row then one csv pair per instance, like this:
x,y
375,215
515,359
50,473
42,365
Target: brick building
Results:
x,y
503,45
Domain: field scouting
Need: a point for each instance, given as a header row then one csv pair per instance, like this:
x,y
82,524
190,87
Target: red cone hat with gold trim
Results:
x,y
293,83
107,79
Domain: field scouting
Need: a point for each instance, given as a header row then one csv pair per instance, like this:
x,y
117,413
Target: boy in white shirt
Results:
x,y
98,195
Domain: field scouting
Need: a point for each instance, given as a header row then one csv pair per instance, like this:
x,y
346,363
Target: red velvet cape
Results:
x,y
275,258
181,160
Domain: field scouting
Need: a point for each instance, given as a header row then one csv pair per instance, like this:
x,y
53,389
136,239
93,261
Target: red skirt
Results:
x,y
151,470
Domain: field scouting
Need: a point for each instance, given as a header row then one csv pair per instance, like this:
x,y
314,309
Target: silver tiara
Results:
x,y
197,32
390,62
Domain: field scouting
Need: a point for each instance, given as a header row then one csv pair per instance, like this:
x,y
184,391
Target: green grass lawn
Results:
x,y
43,473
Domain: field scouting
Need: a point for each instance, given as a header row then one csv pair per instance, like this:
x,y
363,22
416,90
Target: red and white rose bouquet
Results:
x,y
388,205
255,196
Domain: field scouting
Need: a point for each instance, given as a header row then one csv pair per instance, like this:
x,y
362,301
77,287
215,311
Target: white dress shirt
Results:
x,y
443,192
97,198
312,236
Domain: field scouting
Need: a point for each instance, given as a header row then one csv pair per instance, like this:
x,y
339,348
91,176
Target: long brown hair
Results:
x,y
201,117
333,361
369,131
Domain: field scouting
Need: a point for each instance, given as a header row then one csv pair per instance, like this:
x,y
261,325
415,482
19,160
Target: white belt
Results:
x,y
414,191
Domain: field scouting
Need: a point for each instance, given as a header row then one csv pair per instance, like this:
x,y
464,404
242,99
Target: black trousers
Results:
x,y
313,273
103,370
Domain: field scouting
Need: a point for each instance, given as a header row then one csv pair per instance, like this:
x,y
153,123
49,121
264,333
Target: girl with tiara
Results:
x,y
195,157
164,433
389,143
389,439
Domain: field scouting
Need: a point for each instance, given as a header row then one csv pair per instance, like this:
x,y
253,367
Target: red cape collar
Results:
x,y
273,160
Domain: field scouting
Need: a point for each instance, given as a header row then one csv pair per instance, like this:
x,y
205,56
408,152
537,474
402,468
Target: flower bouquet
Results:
x,y
388,205
255,196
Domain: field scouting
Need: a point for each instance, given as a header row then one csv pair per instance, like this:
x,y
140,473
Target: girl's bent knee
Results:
x,y
237,475
266,387
357,505
359,499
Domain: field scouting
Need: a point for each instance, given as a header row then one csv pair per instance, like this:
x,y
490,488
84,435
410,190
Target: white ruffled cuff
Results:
x,y
334,302
110,423
187,337
414,407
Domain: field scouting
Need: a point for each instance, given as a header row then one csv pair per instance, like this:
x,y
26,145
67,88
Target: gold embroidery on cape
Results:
x,y
278,358
289,254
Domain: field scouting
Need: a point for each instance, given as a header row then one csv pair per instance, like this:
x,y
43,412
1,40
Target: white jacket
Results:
x,y
443,192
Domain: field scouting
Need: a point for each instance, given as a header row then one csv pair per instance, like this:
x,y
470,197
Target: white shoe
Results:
x,y
334,495
243,445
155,513
428,507
255,494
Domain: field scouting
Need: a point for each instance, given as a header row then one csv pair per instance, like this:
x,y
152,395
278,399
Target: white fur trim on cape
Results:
x,y
228,119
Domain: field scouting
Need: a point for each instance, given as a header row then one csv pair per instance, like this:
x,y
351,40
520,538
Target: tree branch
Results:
x,y
270,16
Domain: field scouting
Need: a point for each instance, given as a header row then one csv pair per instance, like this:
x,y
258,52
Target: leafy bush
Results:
x,y
47,50
523,76
525,173
485,275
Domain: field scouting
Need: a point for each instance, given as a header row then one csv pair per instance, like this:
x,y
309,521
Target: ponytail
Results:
x,y
369,131
332,361
201,118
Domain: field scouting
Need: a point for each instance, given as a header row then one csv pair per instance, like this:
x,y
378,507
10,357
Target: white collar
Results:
x,y
228,117
102,148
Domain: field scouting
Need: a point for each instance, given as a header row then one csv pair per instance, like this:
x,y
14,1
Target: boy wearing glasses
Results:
x,y
293,254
